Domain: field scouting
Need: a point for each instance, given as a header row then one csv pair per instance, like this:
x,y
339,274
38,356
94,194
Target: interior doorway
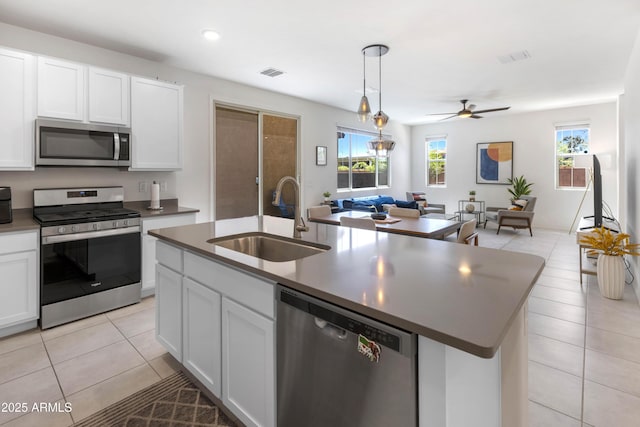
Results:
x,y
253,150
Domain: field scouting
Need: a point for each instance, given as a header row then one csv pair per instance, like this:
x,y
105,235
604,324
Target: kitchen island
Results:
x,y
465,303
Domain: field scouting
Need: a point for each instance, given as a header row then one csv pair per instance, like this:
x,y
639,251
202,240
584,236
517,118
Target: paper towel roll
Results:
x,y
155,196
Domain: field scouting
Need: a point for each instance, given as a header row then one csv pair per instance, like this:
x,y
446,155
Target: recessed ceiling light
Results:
x,y
210,34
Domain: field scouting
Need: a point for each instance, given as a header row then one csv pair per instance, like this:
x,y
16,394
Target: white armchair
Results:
x,y
510,218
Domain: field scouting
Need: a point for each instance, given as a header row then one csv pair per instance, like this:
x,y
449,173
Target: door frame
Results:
x,y
260,111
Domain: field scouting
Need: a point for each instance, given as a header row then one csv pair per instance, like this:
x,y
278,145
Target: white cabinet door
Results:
x,y
169,310
17,110
19,287
108,97
201,334
156,125
60,89
248,364
149,246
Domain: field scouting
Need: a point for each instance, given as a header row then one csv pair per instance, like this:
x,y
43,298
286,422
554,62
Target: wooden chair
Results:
x,y
468,233
365,223
318,211
515,219
404,212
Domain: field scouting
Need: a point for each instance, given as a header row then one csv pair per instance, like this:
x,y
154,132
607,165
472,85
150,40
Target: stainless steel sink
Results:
x,y
269,247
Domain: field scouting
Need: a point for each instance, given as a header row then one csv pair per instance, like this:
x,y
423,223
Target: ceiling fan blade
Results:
x,y
438,114
450,117
474,116
471,107
492,109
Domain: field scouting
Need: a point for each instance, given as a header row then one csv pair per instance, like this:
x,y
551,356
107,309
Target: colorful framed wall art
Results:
x,y
494,162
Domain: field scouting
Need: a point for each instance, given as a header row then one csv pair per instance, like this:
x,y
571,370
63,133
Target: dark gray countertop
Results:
x,y
22,221
169,207
463,296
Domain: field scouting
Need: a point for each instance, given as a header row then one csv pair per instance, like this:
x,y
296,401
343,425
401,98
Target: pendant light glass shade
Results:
x,y
380,120
381,145
364,110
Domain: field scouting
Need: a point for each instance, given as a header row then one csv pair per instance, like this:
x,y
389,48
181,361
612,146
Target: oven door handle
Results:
x,y
89,235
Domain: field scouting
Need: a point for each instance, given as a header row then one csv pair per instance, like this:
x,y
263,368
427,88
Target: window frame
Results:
x,y
427,141
376,172
574,157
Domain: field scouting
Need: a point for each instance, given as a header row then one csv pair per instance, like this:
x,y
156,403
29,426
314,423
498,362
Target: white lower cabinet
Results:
x,y
227,329
201,334
248,364
18,278
169,310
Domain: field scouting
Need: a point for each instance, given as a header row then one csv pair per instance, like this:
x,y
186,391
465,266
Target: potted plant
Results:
x,y
610,248
326,195
472,195
520,187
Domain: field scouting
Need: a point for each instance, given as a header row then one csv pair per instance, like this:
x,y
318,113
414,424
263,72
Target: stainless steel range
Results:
x,y
90,252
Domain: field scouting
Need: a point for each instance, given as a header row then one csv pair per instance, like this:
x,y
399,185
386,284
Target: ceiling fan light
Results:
x,y
380,120
364,110
465,114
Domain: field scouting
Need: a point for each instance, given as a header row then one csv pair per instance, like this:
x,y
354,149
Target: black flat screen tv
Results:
x,y
597,193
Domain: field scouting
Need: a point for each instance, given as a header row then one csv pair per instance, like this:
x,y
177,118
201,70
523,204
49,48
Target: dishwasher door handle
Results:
x,y
331,330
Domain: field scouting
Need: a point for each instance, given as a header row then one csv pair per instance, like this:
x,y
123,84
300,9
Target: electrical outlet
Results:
x,y
163,186
143,187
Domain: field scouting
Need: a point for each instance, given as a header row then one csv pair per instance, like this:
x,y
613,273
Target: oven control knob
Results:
x,y
125,222
96,226
115,224
74,228
61,230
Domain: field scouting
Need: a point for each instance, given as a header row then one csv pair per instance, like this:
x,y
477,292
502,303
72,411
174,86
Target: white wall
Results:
x,y
534,157
630,147
192,185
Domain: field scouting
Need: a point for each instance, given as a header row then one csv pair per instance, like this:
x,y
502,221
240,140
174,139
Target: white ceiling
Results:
x,y
440,51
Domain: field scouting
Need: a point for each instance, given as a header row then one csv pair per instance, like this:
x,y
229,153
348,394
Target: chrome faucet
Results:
x,y
298,222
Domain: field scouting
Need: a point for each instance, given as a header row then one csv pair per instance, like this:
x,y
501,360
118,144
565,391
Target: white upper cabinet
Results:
x,y
60,89
156,125
17,110
108,97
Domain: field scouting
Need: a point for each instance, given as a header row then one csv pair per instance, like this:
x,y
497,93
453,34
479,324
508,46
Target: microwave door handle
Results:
x,y
116,146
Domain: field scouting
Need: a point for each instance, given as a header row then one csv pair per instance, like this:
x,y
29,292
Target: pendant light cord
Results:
x,y
380,78
364,74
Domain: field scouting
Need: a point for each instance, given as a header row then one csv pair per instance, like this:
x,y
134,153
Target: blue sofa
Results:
x,y
371,203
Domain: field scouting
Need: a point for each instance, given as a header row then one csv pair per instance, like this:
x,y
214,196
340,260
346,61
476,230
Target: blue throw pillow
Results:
x,y
408,205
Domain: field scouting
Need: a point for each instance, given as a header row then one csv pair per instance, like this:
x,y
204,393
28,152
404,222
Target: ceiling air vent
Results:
x,y
513,57
271,72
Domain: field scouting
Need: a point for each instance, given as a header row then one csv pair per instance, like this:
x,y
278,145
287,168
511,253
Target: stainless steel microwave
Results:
x,y
60,143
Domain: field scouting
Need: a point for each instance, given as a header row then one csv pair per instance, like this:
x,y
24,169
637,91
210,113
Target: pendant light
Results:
x,y
380,145
364,110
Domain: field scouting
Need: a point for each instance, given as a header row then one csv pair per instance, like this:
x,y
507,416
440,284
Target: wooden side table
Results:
x,y
585,227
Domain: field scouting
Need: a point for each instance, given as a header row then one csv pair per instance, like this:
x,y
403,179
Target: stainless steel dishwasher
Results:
x,y
341,369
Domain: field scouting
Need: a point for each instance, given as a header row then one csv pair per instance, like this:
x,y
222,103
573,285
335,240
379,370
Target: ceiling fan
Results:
x,y
468,111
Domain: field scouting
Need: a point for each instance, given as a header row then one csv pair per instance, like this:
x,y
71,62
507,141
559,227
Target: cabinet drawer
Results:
x,y
248,290
168,255
18,242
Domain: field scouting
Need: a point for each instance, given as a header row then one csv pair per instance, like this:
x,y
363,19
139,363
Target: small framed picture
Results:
x,y
321,155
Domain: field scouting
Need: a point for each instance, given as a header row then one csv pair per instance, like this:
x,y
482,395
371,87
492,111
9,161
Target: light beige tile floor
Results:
x,y
584,350
90,364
